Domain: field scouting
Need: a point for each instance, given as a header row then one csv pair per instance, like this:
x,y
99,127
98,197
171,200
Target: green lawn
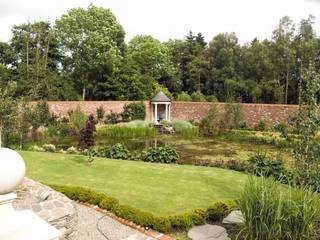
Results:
x,y
157,188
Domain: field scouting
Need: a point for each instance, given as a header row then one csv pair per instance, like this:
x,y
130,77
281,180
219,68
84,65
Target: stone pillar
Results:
x,y
156,113
169,117
166,117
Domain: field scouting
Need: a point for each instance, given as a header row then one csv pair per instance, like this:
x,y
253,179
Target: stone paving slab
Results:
x,y
208,232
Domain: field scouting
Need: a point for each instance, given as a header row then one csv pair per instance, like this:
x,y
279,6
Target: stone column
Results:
x,y
156,113
169,117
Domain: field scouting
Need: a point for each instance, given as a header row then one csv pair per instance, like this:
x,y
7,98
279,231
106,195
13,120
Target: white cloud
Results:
x,y
171,18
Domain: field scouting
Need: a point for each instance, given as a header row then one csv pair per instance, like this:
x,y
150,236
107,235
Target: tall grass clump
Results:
x,y
273,212
134,129
185,129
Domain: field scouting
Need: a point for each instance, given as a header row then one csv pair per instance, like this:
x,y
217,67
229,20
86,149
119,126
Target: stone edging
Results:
x,y
150,233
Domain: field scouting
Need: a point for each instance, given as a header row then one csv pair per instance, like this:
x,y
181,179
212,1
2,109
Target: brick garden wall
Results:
x,y
272,113
253,113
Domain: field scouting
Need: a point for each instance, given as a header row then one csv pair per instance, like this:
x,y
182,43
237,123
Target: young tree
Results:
x,y
8,110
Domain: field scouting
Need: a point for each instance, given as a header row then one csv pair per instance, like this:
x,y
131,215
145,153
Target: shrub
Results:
x,y
49,147
271,212
72,150
179,126
160,223
183,96
208,124
77,119
112,118
161,155
36,148
117,151
220,209
134,111
100,113
86,134
211,98
262,125
198,97
262,165
233,116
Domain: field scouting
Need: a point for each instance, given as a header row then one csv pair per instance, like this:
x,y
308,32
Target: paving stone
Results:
x,y
235,217
208,232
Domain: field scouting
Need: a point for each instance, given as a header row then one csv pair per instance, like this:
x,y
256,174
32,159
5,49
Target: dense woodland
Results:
x,y
84,56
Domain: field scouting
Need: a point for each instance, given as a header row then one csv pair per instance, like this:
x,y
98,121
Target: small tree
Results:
x,y
8,110
209,122
134,111
77,120
87,134
23,124
100,113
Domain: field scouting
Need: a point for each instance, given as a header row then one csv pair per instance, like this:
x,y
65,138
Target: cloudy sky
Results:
x,y
166,19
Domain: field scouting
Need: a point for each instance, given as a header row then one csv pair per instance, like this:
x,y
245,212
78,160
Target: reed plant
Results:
x,y
127,131
275,212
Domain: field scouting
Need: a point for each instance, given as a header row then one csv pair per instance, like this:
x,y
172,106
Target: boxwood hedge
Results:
x,y
163,224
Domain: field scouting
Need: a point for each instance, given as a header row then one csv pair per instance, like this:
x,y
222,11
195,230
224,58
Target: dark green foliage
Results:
x,y
233,115
161,155
208,124
134,111
262,126
100,113
117,151
112,118
261,164
220,209
87,134
160,223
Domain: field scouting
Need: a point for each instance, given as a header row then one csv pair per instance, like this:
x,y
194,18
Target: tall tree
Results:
x,y
92,42
284,53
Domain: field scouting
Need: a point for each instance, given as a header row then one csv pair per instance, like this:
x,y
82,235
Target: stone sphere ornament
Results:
x,y
12,170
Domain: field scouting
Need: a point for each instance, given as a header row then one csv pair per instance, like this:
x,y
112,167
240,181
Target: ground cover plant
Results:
x,y
161,189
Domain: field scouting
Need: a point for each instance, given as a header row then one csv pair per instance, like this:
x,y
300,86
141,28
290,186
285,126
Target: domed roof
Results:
x,y
160,97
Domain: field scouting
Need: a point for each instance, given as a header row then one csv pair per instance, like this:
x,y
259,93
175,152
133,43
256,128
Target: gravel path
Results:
x,y
87,220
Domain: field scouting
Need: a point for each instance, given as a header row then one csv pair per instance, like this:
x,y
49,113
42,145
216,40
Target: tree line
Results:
x,y
84,56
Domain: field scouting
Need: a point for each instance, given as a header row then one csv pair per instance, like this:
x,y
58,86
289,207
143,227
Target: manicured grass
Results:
x,y
157,188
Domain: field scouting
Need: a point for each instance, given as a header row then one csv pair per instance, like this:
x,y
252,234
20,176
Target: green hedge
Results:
x,y
163,224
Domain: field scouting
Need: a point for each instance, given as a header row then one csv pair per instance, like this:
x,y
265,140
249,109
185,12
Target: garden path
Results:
x,y
87,230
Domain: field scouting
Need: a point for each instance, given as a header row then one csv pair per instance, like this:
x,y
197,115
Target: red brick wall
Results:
x,y
272,113
61,108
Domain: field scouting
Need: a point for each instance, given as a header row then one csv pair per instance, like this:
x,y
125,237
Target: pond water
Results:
x,y
200,150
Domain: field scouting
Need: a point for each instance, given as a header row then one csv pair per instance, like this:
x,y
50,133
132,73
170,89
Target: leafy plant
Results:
x,y
117,151
100,113
208,124
183,96
87,134
77,119
262,125
198,97
161,155
134,111
233,115
112,118
261,164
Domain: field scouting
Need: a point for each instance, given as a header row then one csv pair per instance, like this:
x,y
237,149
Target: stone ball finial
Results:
x,y
12,170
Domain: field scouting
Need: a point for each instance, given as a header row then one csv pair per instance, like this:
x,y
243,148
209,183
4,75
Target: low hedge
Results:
x,y
163,224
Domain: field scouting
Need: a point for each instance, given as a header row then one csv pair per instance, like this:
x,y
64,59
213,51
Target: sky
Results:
x,y
165,19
